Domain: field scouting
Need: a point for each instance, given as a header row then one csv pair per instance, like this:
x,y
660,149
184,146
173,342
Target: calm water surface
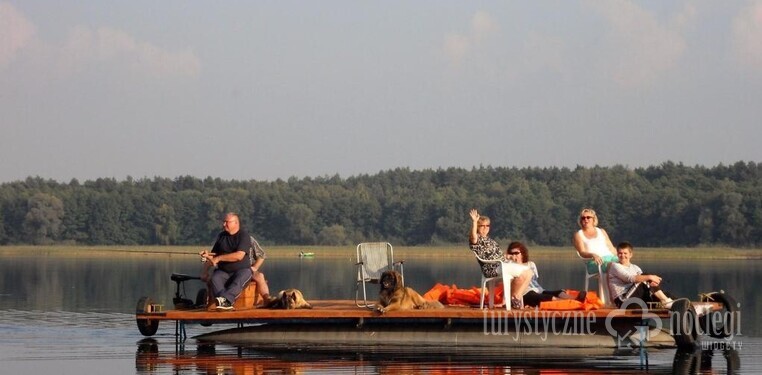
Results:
x,y
73,315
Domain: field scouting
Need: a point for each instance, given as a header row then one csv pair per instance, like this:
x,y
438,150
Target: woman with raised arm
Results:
x,y
488,249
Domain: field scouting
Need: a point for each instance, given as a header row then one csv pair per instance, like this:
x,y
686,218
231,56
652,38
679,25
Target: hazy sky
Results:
x,y
274,89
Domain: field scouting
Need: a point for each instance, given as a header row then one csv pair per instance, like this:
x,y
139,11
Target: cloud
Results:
x,y
118,48
482,25
84,46
747,36
455,47
637,49
16,32
458,45
685,18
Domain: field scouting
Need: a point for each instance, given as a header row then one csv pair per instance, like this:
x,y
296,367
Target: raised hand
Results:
x,y
474,214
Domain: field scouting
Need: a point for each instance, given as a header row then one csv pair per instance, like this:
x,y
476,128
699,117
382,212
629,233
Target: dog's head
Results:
x,y
391,280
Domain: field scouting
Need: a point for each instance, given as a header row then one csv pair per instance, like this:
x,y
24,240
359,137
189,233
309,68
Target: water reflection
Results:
x,y
207,360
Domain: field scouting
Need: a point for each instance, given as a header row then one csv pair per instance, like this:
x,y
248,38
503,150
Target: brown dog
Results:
x,y
395,296
288,299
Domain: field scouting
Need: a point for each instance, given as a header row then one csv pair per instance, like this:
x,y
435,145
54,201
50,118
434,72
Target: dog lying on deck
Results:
x,y
395,296
288,299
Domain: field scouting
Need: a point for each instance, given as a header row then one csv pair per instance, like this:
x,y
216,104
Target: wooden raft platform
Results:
x,y
339,325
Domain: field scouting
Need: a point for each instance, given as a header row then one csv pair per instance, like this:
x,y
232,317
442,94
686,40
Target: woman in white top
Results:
x,y
593,243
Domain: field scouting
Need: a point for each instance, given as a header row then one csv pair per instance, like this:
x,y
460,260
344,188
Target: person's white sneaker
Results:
x,y
225,305
702,308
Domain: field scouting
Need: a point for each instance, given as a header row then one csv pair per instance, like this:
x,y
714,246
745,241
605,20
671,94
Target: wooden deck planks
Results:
x,y
332,309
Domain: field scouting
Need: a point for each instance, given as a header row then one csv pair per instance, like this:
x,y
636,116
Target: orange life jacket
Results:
x,y
452,295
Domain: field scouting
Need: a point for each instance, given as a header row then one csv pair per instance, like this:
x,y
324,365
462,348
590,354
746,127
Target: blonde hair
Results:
x,y
587,211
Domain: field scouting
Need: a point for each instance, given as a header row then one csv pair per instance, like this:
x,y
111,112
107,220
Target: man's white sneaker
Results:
x,y
225,305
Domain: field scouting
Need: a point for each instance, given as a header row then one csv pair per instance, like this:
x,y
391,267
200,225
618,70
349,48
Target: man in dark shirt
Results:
x,y
230,257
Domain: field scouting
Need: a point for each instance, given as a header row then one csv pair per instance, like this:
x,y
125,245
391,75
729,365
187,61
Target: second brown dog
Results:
x,y
395,296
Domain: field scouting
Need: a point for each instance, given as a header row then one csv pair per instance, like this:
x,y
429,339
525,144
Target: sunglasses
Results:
x,y
585,217
514,252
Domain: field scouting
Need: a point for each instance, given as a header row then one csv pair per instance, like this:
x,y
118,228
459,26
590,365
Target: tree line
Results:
x,y
667,205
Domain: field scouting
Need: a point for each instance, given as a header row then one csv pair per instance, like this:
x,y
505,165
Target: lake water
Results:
x,y
75,314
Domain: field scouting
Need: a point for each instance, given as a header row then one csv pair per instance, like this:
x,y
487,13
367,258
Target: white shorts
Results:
x,y
512,269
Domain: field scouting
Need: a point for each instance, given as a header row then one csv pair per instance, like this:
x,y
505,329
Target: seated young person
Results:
x,y
626,281
257,255
535,293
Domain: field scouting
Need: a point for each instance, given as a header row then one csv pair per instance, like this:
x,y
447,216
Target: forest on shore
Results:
x,y
667,205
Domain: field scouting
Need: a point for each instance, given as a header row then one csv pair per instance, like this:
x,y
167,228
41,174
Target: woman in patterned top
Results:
x,y
488,249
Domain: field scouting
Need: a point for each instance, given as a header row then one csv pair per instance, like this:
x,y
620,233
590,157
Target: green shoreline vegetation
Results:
x,y
401,252
669,205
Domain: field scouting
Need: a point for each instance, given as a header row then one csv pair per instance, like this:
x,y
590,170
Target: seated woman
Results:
x,y
626,281
592,242
535,293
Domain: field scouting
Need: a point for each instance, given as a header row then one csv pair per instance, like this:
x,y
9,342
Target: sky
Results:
x,y
277,89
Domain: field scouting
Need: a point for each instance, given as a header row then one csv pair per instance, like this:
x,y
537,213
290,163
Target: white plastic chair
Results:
x,y
488,283
373,259
603,282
